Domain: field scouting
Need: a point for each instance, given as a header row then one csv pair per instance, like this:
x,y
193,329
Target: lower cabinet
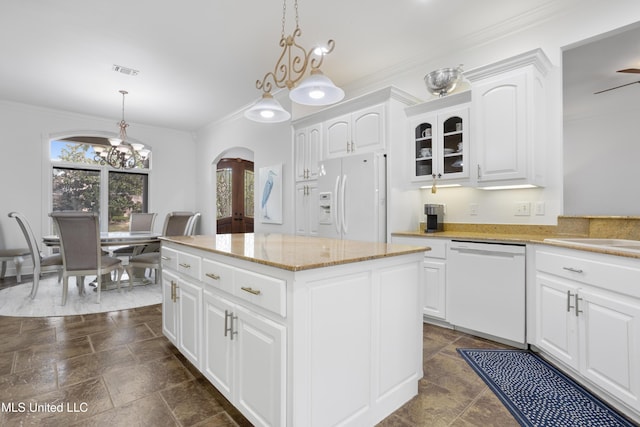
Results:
x,y
182,318
588,318
434,274
244,358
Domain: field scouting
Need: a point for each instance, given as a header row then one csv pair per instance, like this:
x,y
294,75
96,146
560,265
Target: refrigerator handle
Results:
x,y
343,208
334,208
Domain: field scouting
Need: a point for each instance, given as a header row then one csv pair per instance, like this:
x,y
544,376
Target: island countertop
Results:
x,y
291,252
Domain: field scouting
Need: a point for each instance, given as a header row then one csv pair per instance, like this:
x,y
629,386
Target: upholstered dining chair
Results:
x,y
175,224
138,222
193,223
41,264
81,252
17,256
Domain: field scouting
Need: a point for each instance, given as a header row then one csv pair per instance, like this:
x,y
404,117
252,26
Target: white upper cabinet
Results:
x,y
439,139
307,147
360,131
508,121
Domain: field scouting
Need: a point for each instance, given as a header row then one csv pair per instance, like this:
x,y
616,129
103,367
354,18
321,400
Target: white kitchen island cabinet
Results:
x,y
298,331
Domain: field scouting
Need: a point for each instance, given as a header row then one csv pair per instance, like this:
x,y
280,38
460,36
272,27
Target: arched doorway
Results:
x,y
234,196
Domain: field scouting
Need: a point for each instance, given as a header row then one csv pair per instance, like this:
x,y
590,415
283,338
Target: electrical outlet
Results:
x,y
539,208
522,209
473,209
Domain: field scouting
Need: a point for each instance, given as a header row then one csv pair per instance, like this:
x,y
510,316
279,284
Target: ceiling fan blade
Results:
x,y
617,87
630,70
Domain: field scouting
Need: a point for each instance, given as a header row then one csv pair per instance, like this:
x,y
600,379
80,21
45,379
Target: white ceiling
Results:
x,y
199,59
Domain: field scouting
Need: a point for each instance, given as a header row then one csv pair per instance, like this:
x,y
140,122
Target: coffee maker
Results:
x,y
435,218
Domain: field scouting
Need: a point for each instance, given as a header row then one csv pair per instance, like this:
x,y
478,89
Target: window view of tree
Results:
x,y
76,190
79,183
127,194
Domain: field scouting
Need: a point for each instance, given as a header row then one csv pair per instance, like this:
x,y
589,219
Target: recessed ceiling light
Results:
x,y
125,70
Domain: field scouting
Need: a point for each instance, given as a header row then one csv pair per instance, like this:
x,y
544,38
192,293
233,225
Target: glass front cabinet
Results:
x,y
440,145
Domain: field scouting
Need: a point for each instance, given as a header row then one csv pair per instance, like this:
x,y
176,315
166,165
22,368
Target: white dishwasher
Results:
x,y
486,288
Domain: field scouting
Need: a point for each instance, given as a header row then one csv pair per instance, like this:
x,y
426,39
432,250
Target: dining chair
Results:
x,y
41,264
17,256
151,260
193,223
177,223
81,252
138,222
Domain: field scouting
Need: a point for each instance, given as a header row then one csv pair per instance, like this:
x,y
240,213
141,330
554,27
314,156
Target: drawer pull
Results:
x,y
165,258
250,290
183,265
572,269
212,276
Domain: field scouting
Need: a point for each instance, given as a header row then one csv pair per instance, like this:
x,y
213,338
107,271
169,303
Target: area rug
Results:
x,y
538,394
15,301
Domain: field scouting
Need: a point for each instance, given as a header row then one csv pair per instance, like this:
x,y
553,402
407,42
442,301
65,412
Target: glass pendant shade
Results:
x,y
317,89
115,141
267,110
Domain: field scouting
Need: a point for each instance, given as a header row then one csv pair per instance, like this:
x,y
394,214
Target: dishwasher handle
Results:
x,y
486,248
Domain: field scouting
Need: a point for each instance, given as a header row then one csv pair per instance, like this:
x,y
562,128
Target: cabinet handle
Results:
x,y
250,290
183,265
174,291
479,173
569,306
232,331
212,276
577,299
353,147
165,258
227,315
572,269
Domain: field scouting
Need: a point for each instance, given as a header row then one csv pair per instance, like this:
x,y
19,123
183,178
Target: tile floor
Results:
x,y
117,369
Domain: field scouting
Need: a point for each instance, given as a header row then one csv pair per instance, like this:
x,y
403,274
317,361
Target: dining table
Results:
x,y
114,238
111,239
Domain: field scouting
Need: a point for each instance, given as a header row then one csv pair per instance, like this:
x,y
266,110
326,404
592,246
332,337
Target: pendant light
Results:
x,y
292,65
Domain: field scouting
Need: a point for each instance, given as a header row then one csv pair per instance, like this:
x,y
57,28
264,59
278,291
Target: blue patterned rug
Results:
x,y
536,393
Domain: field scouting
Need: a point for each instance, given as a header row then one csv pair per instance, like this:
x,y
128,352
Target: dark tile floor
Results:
x,y
118,369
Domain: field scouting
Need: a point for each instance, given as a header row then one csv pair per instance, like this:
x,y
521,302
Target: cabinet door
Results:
x,y
261,368
169,307
434,292
314,147
609,343
368,129
338,136
556,322
307,146
217,358
300,140
500,131
423,130
453,144
307,209
189,320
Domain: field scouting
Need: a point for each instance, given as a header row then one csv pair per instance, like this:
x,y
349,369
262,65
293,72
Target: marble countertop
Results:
x,y
292,252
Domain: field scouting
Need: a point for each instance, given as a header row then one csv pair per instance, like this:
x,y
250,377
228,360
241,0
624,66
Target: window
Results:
x,y
79,182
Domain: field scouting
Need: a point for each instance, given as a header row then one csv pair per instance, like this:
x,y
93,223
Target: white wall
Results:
x,y
270,143
25,168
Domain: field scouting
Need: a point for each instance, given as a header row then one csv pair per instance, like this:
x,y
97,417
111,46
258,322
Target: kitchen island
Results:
x,y
298,331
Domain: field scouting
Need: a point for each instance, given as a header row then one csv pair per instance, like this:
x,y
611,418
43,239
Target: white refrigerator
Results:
x,y
352,198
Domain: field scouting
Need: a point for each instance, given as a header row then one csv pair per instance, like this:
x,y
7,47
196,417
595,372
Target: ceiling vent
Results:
x,y
125,70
